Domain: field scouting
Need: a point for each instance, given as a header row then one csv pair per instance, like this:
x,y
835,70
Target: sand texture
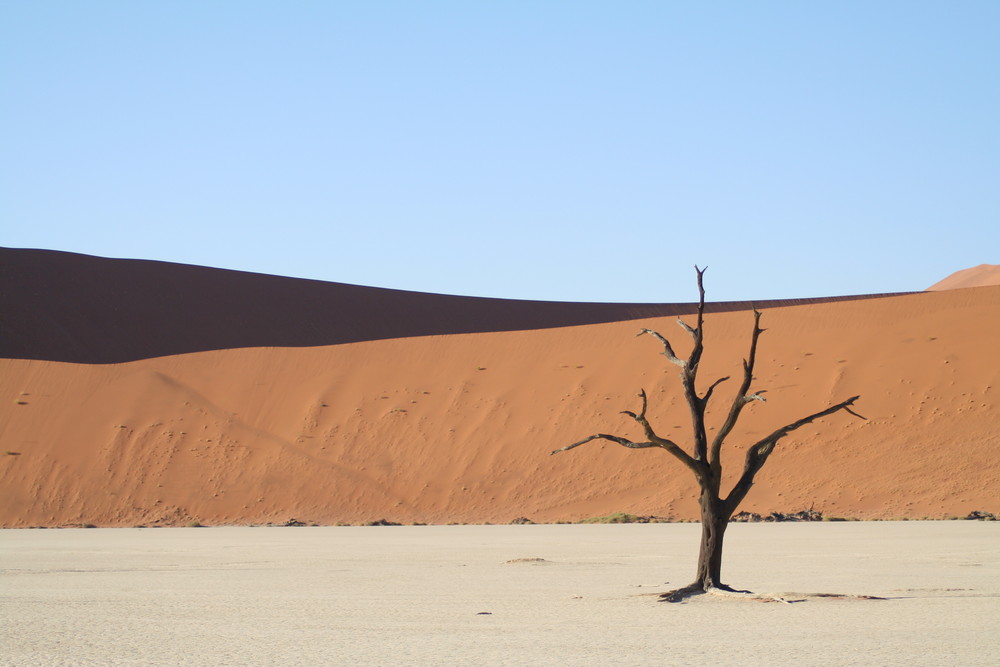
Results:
x,y
458,428
498,595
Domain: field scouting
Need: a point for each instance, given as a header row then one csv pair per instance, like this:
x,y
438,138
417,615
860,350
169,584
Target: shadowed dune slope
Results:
x,y
60,306
977,276
459,427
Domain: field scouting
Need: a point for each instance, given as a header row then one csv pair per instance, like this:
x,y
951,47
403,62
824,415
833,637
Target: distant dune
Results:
x,y
457,427
978,276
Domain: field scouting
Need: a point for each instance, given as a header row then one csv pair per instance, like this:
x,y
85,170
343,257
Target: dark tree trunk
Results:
x,y
713,529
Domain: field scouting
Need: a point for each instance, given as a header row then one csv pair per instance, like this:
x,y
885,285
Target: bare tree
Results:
x,y
705,458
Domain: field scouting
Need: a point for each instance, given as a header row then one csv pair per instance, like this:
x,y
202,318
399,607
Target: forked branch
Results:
x,y
654,439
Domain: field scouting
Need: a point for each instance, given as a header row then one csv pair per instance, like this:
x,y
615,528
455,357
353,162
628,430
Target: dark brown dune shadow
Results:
x,y
60,306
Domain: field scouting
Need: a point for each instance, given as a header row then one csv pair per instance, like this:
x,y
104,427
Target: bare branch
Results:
x,y
785,430
645,403
701,296
717,383
740,400
855,414
665,443
685,326
604,436
697,467
698,331
668,351
708,394
689,375
758,453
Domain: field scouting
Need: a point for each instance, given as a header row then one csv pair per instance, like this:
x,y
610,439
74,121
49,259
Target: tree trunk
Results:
x,y
713,529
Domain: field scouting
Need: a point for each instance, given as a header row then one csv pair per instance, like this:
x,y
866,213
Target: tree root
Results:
x,y
692,590
681,594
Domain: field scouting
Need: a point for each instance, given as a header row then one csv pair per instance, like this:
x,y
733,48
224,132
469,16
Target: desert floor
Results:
x,y
474,595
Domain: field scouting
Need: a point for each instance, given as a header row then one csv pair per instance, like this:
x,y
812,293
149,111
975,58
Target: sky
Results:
x,y
544,149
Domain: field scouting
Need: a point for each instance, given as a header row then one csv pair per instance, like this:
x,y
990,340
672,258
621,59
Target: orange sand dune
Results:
x,y
977,276
458,428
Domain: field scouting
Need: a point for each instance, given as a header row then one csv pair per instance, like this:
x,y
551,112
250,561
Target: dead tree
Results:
x,y
704,459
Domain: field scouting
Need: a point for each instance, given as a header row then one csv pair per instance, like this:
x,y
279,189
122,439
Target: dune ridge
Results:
x,y
458,428
59,306
977,276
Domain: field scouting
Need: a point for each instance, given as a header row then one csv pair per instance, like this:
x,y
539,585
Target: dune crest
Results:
x,y
983,275
60,306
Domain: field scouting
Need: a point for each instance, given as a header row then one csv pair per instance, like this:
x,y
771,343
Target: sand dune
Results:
x,y
977,276
458,428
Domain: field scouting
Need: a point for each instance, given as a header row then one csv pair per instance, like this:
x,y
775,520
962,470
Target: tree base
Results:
x,y
692,590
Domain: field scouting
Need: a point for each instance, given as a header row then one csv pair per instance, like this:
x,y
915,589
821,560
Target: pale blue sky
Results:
x,y
579,151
